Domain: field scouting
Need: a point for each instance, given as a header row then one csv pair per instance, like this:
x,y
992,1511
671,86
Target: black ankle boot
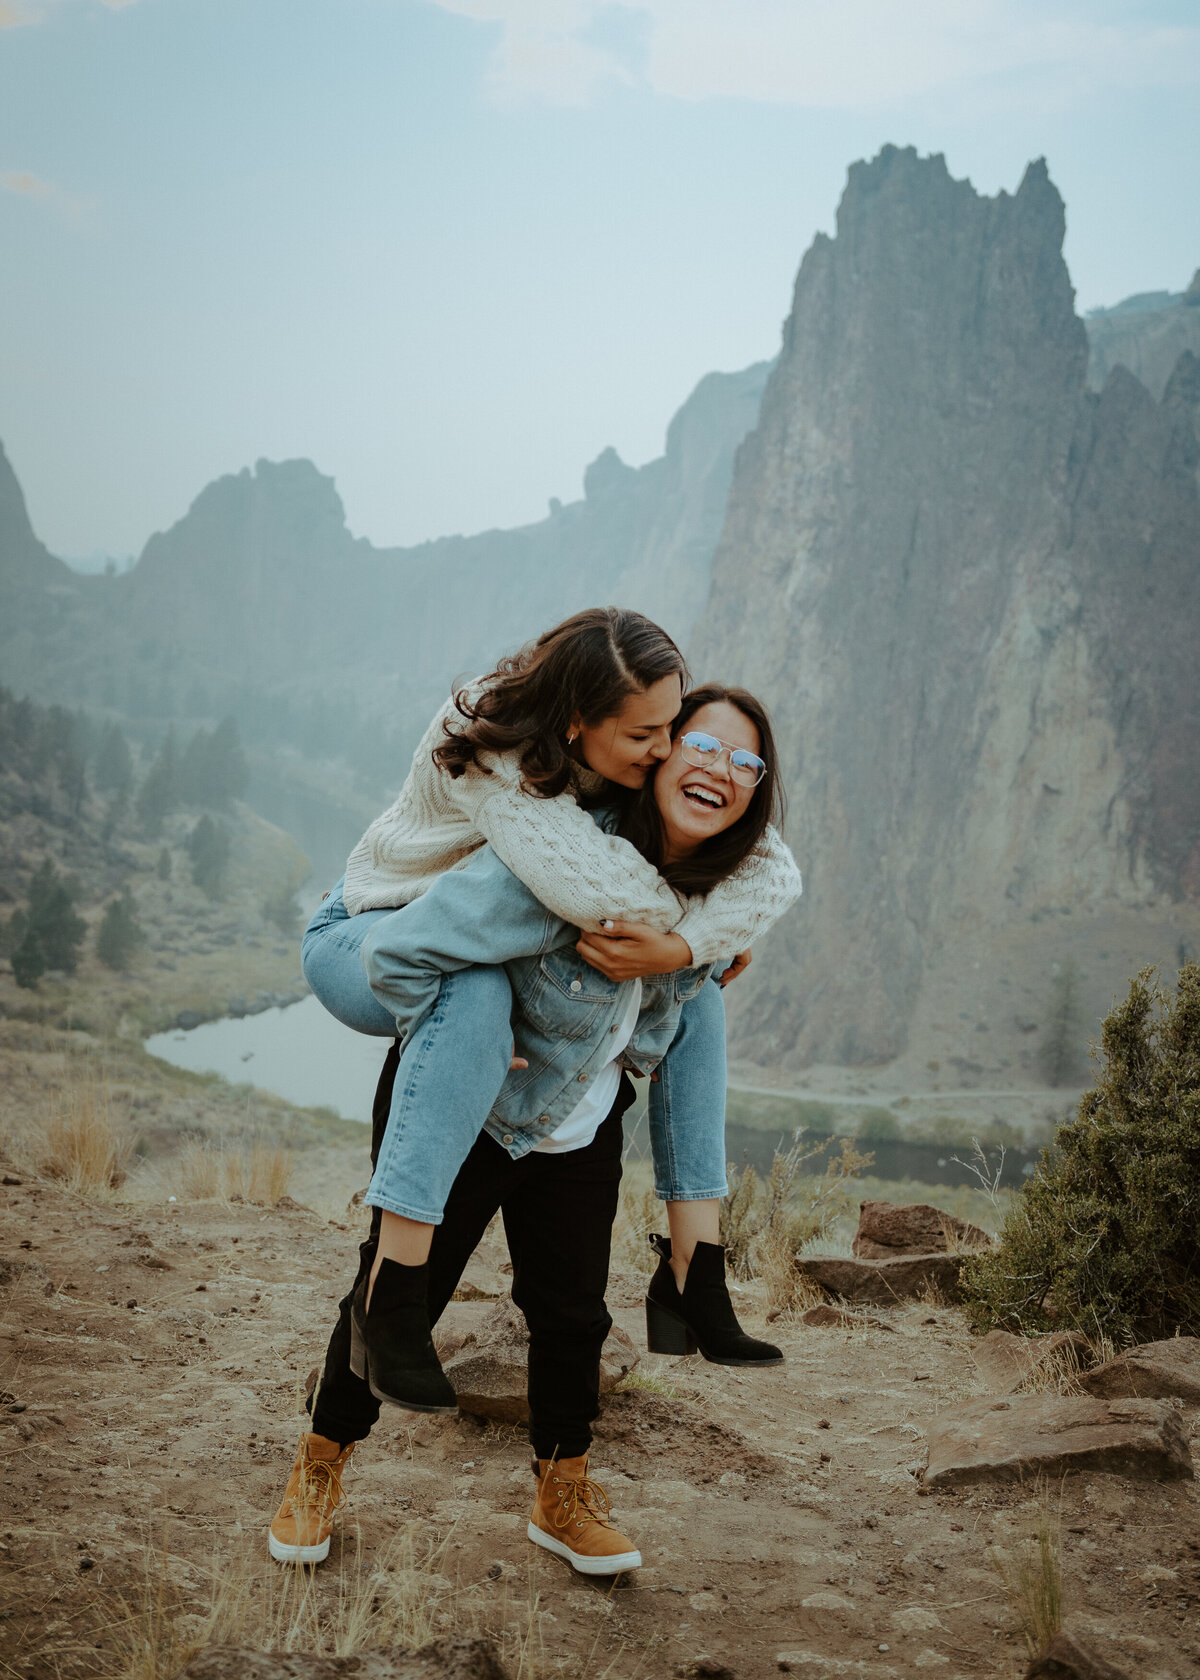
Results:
x,y
390,1345
703,1316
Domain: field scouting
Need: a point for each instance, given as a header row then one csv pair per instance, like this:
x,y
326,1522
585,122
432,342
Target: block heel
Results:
x,y
667,1334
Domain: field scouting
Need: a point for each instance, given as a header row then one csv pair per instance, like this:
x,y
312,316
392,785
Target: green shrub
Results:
x,y
1105,1237
120,934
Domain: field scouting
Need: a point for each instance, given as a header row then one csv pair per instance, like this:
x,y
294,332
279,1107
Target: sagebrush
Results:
x,y
1105,1237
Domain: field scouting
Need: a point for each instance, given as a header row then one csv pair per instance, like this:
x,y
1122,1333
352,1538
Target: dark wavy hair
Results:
x,y
718,857
588,665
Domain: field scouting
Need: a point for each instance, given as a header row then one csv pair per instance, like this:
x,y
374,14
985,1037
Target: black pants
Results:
x,y
558,1213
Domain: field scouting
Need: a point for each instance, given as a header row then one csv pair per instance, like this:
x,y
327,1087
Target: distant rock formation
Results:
x,y
1146,334
260,593
970,591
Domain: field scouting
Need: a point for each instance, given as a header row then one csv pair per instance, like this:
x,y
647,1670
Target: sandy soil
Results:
x,y
152,1358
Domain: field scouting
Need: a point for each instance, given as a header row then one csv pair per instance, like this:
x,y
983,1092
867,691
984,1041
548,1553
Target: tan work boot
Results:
x,y
303,1523
570,1519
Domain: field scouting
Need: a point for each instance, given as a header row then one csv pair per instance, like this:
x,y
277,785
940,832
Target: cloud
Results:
x,y
859,54
23,183
27,184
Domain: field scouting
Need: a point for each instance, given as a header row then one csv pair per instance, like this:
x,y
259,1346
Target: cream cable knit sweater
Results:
x,y
573,867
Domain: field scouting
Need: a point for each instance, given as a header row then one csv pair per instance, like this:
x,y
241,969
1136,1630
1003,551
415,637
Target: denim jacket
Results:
x,y
564,1009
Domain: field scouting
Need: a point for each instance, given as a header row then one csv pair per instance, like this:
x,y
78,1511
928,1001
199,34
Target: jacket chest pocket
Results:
x,y
563,995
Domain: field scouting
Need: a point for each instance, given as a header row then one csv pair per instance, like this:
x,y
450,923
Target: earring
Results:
x,y
571,736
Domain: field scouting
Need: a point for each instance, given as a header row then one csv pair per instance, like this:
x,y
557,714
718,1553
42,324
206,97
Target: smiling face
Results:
x,y
625,748
696,804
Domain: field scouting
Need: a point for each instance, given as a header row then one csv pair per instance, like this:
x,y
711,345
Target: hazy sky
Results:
x,y
450,249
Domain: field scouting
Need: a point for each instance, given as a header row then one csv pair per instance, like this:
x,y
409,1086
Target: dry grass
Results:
x,y
1055,1371
1031,1572
399,1598
259,1173
79,1142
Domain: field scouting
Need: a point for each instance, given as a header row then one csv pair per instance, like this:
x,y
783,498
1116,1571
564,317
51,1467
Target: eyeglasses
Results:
x,y
704,751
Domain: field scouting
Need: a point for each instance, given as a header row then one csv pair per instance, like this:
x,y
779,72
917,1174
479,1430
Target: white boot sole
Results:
x,y
584,1565
297,1554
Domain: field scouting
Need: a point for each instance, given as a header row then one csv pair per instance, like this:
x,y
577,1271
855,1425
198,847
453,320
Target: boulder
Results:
x,y
444,1659
1068,1658
1154,1371
906,1278
488,1367
1033,1434
1006,1361
888,1229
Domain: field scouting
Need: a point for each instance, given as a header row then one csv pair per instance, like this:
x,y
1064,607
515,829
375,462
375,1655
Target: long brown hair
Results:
x,y
642,825
588,665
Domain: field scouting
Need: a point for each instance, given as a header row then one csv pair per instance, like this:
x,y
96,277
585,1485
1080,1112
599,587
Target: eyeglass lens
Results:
x,y
703,750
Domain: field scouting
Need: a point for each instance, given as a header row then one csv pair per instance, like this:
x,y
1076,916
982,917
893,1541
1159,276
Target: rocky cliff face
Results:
x,y
970,592
1145,334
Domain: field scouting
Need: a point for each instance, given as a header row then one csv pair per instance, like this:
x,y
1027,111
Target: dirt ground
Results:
x,y
152,1358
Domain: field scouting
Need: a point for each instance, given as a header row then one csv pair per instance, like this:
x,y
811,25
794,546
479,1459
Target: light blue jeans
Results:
x,y
453,1067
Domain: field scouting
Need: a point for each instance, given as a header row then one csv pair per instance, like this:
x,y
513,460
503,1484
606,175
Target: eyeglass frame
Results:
x,y
729,749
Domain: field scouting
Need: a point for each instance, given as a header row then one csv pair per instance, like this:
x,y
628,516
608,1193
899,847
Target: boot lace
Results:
x,y
319,1485
584,1495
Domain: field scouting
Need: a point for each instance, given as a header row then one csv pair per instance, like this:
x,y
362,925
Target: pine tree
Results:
x,y
1105,1237
120,932
29,961
214,770
52,918
1061,1058
208,847
158,795
114,761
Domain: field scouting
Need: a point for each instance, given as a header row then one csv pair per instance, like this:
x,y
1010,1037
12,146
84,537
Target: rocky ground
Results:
x,y
152,1356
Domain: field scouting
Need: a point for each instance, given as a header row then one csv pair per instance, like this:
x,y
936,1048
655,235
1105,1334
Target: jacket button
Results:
x,y
583,1078
577,985
545,1120
507,1138
612,1029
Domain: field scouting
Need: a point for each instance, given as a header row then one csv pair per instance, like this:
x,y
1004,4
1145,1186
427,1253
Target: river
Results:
x,y
300,1052
303,1055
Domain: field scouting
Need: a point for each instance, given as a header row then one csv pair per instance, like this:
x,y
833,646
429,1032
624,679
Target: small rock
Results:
x,y
1154,1371
18,1406
1031,1434
826,1601
11,1178
86,1563
827,1316
705,1668
884,1281
1068,1658
888,1229
131,1302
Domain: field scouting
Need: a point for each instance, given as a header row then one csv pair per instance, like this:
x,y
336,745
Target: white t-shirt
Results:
x,y
589,1114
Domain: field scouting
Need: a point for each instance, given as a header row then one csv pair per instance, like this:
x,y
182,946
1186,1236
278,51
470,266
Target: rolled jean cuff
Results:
x,y
692,1195
421,1216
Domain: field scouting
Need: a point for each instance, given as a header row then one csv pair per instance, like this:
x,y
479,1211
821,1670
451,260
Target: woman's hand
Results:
x,y
739,965
632,950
